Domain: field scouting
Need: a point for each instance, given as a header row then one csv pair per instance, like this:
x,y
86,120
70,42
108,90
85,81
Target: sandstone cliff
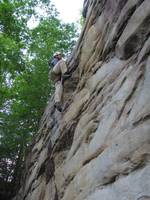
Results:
x,y
99,147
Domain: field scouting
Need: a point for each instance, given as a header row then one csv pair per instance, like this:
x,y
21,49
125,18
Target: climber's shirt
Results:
x,y
52,62
57,71
53,76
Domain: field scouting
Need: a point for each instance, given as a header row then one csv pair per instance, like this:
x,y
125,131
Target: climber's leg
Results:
x,y
58,91
58,95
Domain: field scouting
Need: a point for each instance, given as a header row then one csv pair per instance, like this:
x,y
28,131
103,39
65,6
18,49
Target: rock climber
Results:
x,y
58,74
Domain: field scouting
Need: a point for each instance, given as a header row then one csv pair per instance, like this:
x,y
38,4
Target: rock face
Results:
x,y
99,147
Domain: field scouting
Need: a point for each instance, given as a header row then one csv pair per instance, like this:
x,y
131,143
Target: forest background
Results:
x,y
24,85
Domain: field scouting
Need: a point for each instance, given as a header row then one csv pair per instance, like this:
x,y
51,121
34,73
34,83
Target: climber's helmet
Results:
x,y
57,54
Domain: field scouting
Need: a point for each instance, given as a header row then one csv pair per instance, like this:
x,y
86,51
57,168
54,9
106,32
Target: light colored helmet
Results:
x,y
57,53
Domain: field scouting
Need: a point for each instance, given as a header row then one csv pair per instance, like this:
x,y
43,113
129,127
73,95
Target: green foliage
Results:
x,y
81,22
24,86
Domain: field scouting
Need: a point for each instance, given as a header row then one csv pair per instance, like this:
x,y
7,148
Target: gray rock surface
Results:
x,y
99,147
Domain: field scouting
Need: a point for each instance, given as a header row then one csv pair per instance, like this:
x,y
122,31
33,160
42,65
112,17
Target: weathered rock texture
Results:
x,y
99,147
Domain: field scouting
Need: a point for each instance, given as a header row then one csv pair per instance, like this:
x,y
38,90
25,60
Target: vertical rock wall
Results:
x,y
99,147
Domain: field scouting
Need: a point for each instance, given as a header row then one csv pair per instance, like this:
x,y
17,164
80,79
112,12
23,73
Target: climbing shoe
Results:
x,y
58,106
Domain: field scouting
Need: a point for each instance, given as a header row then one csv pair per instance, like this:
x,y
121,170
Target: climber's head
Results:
x,y
58,55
